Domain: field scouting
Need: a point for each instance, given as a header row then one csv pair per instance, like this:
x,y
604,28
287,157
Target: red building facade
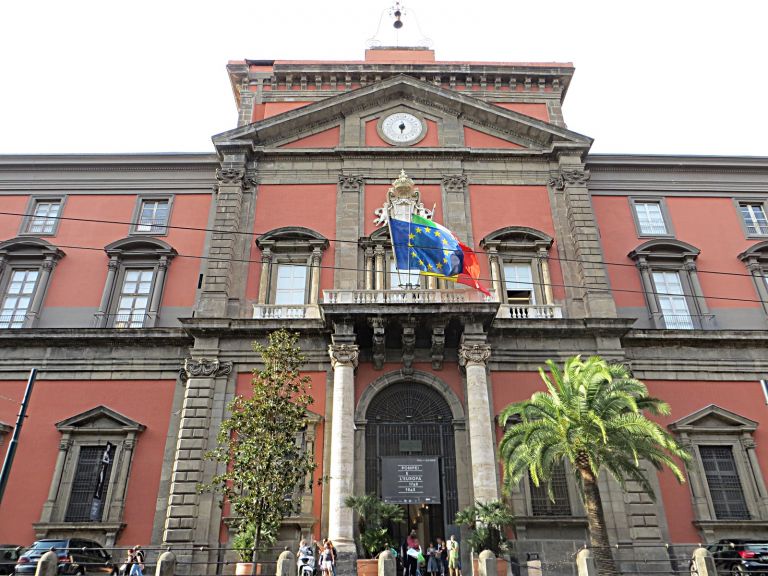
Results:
x,y
136,285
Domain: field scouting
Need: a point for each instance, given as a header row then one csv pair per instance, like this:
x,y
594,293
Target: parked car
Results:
x,y
9,554
737,556
76,557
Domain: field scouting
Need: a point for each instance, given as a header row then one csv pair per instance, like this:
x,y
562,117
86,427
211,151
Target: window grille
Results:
x,y
44,218
650,218
541,505
724,484
84,486
754,219
18,298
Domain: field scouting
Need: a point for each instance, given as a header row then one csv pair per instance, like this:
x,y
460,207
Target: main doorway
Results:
x,y
412,419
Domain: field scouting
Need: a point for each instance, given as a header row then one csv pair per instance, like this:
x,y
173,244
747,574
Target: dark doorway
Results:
x,y
412,419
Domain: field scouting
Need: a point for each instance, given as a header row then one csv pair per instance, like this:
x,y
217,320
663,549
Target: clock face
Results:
x,y
402,128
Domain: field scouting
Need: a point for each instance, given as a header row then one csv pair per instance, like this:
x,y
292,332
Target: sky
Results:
x,y
652,77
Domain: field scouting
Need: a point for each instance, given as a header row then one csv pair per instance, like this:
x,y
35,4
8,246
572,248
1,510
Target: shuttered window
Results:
x,y
724,483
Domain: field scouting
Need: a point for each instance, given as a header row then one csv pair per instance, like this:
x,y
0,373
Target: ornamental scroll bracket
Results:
x,y
403,200
204,368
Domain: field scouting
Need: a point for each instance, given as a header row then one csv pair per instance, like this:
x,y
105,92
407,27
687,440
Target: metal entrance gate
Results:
x,y
409,419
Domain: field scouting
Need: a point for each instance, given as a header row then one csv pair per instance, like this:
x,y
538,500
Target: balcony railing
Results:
x,y
417,296
529,311
285,311
120,321
684,321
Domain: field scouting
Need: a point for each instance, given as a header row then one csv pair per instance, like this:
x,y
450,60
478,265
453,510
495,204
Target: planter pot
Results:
x,y
246,569
367,568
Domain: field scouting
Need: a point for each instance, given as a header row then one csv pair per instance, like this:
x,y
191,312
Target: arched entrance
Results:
x,y
409,418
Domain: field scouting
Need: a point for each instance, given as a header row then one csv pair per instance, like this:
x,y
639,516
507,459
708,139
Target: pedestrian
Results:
x,y
136,561
441,556
454,560
326,559
335,556
433,566
413,551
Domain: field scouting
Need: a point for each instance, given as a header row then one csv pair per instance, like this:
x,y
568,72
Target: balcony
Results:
x,y
400,297
529,311
285,311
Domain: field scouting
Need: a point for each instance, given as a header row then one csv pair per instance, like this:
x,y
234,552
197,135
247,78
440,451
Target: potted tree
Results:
x,y
372,517
244,543
263,464
487,523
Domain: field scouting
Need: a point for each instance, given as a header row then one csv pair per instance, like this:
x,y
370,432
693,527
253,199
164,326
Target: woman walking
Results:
x,y
326,559
433,566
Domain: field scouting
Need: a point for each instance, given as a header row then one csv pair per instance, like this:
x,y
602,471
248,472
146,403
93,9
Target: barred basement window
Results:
x,y
83,505
724,483
541,505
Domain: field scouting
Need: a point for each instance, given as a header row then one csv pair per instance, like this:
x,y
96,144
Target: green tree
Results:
x,y
372,515
257,444
592,417
487,522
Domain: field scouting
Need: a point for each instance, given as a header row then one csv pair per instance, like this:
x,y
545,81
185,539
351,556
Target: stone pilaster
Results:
x,y
185,522
340,523
571,184
349,201
456,206
481,437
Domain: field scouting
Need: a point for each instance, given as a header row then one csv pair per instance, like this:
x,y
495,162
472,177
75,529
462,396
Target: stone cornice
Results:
x,y
696,338
613,162
35,337
105,161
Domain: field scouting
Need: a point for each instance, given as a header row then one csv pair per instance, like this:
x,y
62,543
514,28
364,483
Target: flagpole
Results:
x,y
6,472
392,241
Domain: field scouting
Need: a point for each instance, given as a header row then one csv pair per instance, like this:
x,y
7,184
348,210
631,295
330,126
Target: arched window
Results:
x,y
290,272
671,284
26,265
518,258
135,279
756,261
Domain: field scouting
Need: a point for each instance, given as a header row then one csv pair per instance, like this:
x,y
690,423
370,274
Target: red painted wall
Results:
x,y
274,108
376,194
538,111
318,391
693,220
477,139
325,139
495,207
372,137
33,467
312,206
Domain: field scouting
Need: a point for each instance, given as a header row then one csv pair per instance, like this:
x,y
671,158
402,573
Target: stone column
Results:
x,y
496,278
481,437
314,268
701,303
348,202
157,292
369,268
546,278
185,523
379,263
64,445
758,277
266,265
109,286
748,443
650,297
340,525
42,287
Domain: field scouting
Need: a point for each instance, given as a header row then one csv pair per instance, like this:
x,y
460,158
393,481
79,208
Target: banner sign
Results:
x,y
410,479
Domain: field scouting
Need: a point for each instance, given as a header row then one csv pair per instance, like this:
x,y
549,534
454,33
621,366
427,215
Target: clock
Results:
x,y
402,128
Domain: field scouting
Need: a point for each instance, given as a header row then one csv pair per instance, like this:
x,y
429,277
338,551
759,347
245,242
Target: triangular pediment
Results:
x,y
714,419
99,418
524,133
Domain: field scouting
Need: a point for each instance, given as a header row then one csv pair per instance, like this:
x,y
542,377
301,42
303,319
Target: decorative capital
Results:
x,y
204,368
343,355
113,264
250,180
455,183
230,175
557,183
576,177
48,264
474,354
748,443
350,183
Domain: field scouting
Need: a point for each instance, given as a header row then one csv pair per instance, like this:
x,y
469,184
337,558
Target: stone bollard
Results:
x,y
286,564
486,563
166,564
703,563
387,564
585,563
48,564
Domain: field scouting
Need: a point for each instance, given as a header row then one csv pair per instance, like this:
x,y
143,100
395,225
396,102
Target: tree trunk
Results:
x,y
255,555
598,536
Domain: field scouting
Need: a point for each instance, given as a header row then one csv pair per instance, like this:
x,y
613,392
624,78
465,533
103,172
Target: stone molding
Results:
x,y
455,183
474,354
204,368
344,355
230,175
351,182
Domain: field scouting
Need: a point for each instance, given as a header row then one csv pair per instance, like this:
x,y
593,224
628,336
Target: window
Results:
x,y
753,214
44,219
291,285
723,482
650,217
542,505
92,475
403,279
18,298
26,266
152,215
674,308
134,298
518,283
671,284
756,261
136,273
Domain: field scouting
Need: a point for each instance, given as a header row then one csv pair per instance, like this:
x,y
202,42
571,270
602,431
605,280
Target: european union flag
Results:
x,y
426,246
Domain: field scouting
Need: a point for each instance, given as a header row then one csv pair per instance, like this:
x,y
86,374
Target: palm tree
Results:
x,y
592,417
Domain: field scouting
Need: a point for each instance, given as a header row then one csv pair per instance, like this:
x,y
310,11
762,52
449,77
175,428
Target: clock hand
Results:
x,y
402,127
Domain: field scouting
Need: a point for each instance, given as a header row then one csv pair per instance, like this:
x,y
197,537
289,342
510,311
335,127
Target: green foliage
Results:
x,y
372,514
592,417
487,522
257,444
244,541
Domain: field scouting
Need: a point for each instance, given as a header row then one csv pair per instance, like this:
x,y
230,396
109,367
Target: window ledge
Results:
x,y
286,311
105,532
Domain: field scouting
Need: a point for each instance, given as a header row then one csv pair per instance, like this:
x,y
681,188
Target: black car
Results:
x,y
76,556
9,554
740,556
